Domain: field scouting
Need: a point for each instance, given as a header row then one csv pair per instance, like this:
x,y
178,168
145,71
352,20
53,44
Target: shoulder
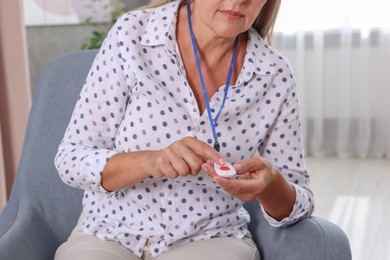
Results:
x,y
140,20
266,59
146,26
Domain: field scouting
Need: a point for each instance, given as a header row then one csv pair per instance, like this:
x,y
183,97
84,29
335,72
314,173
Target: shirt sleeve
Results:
x,y
88,141
283,148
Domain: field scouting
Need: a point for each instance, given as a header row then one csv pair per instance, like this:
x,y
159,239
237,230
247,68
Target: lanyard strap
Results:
x,y
213,122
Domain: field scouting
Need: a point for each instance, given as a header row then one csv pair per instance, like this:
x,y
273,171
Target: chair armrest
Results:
x,y
25,235
311,238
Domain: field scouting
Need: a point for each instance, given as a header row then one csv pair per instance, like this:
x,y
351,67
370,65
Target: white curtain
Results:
x,y
340,53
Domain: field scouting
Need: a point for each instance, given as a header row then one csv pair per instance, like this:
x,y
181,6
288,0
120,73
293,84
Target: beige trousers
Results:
x,y
81,246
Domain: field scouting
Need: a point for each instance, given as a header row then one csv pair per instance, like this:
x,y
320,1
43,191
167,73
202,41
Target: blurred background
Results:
x,y
339,51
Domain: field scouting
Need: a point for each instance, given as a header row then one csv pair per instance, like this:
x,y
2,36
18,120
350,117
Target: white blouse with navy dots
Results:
x,y
136,97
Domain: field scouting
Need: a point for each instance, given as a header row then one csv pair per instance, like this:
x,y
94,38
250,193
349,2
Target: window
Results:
x,y
310,15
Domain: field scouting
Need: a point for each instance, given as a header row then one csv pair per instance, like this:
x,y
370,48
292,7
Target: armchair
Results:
x,y
42,210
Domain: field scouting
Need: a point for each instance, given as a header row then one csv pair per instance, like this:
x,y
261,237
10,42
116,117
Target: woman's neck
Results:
x,y
212,48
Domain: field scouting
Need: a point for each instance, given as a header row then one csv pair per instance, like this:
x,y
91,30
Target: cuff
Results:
x,y
301,208
92,167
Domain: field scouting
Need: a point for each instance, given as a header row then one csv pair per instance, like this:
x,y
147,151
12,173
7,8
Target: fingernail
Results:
x,y
222,161
238,166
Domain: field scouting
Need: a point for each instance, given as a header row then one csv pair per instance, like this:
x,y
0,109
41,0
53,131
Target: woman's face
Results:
x,y
226,18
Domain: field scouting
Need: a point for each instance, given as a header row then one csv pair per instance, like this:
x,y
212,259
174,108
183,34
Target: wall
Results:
x,y
48,42
15,98
3,191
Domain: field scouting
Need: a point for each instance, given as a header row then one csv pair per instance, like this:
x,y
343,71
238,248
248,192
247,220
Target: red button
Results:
x,y
224,168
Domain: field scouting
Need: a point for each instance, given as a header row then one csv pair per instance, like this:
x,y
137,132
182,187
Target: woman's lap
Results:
x,y
81,246
220,248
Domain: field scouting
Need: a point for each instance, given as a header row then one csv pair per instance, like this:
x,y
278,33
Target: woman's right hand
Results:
x,y
182,157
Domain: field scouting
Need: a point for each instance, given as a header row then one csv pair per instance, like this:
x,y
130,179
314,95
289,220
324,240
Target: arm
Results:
x,y
89,139
182,157
277,179
283,149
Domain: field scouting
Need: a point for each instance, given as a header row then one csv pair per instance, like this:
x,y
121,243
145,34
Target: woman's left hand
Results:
x,y
255,175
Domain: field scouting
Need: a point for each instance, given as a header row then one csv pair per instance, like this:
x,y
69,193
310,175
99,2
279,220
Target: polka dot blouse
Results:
x,y
136,97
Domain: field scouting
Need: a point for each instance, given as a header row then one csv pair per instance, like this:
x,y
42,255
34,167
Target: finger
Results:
x,y
168,170
181,167
240,186
205,151
185,160
193,161
242,191
209,168
252,164
170,163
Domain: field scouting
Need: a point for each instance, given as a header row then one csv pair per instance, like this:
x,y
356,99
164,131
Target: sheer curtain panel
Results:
x,y
340,54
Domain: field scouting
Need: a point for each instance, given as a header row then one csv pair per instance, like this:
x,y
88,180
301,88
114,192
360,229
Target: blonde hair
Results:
x,y
157,3
264,23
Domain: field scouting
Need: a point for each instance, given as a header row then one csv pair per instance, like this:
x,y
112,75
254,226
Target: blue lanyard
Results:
x,y
213,122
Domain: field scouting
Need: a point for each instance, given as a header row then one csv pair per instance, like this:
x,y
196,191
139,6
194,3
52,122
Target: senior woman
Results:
x,y
179,91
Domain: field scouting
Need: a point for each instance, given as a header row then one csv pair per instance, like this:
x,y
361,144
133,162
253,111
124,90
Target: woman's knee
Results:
x,y
222,248
92,248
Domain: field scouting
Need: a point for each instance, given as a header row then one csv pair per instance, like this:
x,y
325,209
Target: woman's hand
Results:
x,y
182,157
255,175
258,179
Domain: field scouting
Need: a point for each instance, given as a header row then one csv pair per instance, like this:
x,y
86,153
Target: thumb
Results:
x,y
252,164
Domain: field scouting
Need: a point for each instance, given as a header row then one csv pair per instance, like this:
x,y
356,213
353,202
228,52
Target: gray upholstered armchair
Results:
x,y
42,210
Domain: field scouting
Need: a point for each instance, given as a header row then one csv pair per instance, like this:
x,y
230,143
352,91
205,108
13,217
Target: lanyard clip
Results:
x,y
217,147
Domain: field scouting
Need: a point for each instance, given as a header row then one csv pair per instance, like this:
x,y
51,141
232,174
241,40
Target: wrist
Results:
x,y
278,197
124,169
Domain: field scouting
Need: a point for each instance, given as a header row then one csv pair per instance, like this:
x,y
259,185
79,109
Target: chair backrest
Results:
x,y
37,180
